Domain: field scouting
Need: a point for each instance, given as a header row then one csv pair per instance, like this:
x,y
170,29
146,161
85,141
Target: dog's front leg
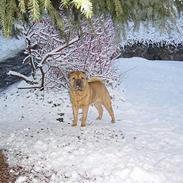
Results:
x,y
75,113
85,112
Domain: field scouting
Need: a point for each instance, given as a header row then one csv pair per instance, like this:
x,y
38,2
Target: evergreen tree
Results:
x,y
13,12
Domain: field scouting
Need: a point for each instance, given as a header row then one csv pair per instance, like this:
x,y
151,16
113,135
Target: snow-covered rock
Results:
x,y
10,46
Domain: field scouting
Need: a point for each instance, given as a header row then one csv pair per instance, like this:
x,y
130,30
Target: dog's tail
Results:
x,y
93,79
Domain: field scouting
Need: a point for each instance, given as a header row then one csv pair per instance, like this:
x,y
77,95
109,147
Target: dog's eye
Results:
x,y
82,77
73,78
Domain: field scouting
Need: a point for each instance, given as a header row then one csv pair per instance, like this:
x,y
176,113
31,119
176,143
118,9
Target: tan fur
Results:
x,y
94,79
92,91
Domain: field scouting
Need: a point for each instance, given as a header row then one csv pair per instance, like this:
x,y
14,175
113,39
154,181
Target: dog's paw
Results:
x,y
83,125
113,121
74,125
98,118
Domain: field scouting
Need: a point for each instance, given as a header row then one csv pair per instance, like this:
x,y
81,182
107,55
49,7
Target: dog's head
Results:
x,y
78,80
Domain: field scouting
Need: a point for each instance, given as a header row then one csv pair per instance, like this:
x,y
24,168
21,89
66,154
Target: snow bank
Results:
x,y
149,33
9,47
144,146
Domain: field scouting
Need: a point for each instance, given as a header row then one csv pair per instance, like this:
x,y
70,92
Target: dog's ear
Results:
x,y
69,75
84,74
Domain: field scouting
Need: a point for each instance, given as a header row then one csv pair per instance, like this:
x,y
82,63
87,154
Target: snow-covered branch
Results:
x,y
57,50
25,78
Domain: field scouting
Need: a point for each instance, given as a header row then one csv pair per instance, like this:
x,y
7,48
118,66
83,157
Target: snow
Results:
x,y
21,179
147,32
145,145
10,46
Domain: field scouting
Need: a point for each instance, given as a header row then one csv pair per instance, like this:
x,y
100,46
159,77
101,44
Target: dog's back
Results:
x,y
93,79
99,91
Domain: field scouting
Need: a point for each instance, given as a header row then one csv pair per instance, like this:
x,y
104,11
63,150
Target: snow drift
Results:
x,y
145,145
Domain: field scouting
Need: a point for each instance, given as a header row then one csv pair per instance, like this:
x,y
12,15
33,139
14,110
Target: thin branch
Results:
x,y
58,49
30,87
25,78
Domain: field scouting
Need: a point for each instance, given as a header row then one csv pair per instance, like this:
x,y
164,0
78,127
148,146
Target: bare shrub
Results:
x,y
90,48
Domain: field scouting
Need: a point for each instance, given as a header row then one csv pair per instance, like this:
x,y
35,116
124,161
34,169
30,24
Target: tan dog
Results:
x,y
84,92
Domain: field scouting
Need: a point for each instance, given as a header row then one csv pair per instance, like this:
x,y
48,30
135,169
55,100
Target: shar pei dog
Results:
x,y
84,92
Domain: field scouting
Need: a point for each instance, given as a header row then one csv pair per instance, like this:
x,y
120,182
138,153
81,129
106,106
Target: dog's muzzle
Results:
x,y
78,85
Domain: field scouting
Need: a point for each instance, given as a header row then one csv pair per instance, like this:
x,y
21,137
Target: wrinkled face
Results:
x,y
77,80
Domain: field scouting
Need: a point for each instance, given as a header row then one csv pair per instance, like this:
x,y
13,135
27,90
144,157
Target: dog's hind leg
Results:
x,y
100,110
108,106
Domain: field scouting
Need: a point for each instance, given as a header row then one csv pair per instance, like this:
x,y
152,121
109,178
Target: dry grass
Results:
x,y
5,171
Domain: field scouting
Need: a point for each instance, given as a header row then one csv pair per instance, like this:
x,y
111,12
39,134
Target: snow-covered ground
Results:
x,y
145,145
10,46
